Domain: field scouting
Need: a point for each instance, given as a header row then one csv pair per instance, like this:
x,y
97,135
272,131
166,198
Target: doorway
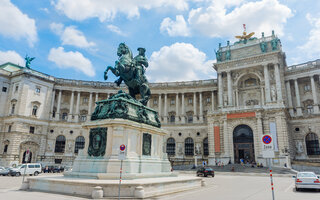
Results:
x,y
243,144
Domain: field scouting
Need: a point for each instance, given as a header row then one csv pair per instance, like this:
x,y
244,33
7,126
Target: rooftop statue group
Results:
x,y
132,72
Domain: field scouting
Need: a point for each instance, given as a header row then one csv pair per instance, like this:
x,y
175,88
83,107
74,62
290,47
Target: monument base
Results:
x,y
137,188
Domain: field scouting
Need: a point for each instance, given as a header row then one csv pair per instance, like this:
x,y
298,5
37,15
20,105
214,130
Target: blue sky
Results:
x,y
77,39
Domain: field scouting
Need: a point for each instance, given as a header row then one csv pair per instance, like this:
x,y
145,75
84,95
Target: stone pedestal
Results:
x,y
142,159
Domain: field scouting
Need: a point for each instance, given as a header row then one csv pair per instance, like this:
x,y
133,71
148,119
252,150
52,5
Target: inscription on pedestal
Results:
x,y
146,147
97,142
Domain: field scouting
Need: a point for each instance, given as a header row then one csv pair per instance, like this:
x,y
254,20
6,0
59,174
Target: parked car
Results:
x,y
307,180
4,171
205,171
30,168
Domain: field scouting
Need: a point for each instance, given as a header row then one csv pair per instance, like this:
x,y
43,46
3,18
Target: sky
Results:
x,y
78,39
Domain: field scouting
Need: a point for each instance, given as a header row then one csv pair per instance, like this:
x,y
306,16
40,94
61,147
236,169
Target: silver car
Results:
x,y
307,180
4,171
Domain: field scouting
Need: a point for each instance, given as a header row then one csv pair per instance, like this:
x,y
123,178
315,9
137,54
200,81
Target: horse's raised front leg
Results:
x,y
113,70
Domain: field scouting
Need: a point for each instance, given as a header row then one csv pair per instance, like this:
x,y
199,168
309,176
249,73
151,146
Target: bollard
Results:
x,y
139,192
97,193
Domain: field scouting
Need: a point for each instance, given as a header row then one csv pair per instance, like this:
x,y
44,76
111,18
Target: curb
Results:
x,y
238,173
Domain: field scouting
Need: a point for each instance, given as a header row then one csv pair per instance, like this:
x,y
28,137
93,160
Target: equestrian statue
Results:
x,y
131,71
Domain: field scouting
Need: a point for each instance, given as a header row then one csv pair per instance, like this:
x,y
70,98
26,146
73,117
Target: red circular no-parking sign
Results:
x,y
266,139
122,147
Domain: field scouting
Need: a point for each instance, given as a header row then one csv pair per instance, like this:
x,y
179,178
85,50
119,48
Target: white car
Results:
x,y
30,168
307,180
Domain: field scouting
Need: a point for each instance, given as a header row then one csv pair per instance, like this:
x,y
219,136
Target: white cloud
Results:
x,y
57,28
71,36
71,59
15,24
179,62
175,28
225,18
11,56
116,30
107,10
311,48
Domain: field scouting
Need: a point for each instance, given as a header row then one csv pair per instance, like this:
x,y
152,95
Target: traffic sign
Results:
x,y
266,139
267,146
122,147
122,152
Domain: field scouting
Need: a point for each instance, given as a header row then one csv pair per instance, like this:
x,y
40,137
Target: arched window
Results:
x,y
312,144
79,144
34,110
171,146
205,147
60,144
188,147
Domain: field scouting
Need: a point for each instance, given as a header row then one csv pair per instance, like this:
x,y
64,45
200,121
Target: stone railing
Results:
x,y
185,83
310,64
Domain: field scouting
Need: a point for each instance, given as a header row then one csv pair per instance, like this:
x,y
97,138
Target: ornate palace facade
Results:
x,y
221,119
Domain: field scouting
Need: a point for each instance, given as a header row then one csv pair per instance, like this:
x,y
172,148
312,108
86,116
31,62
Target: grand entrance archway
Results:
x,y
243,144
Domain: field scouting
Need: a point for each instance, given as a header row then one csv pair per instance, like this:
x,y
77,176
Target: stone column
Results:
x,y
229,88
299,111
177,106
226,138
183,118
200,107
212,101
211,157
262,96
237,98
267,83
96,99
257,143
59,105
71,107
52,103
90,106
315,96
220,90
77,115
159,105
165,114
289,98
195,107
278,82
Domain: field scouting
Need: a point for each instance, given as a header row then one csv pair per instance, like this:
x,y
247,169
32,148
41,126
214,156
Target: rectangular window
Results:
x,y
172,102
155,102
208,100
17,88
31,130
9,128
12,108
37,90
85,100
307,88
57,161
4,89
190,100
83,118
